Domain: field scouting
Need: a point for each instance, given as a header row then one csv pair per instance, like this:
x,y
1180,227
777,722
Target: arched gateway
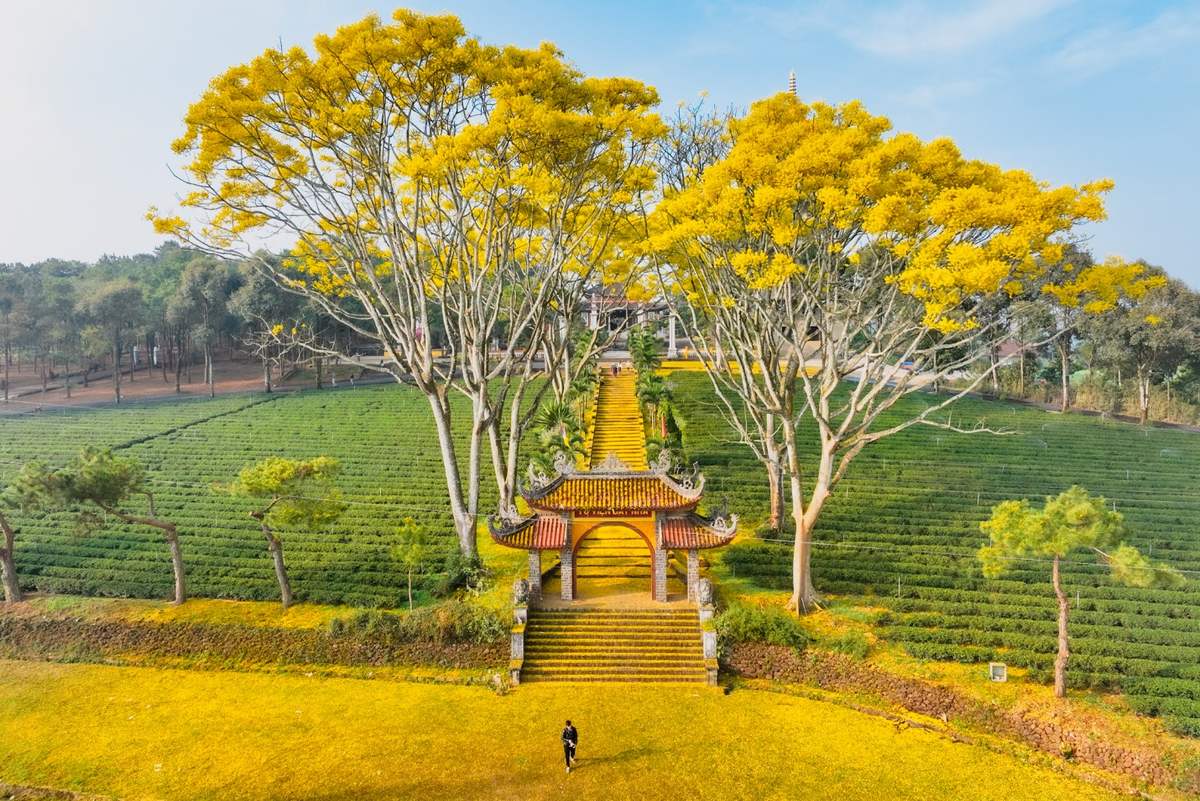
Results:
x,y
658,506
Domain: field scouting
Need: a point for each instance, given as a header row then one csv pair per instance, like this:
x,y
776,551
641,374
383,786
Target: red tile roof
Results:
x,y
541,533
692,532
604,495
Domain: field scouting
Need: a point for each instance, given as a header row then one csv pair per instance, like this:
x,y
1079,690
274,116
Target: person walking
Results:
x,y
570,740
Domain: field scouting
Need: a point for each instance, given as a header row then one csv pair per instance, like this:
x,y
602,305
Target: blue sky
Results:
x,y
92,93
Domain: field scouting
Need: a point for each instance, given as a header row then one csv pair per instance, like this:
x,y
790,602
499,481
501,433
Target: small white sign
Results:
x,y
998,671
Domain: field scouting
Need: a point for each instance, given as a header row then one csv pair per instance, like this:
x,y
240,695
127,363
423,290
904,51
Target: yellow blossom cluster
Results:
x,y
810,190
410,146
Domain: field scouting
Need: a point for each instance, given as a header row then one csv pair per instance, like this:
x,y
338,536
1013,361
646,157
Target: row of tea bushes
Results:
x,y
902,530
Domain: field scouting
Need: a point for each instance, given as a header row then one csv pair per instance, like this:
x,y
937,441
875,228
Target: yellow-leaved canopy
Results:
x,y
409,147
809,191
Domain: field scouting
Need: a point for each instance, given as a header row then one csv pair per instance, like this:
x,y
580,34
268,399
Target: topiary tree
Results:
x,y
297,492
1072,521
97,479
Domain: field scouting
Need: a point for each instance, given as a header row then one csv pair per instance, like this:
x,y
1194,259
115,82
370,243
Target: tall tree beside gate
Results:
x,y
831,267
425,175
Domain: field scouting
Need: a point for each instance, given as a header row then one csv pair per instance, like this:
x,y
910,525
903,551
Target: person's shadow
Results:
x,y
621,756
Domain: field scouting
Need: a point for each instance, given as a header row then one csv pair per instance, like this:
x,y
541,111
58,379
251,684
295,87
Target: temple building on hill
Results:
x,y
605,307
656,506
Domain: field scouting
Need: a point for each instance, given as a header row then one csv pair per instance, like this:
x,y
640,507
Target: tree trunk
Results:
x,y
267,375
1064,356
504,457
7,364
208,369
170,533
774,466
410,603
67,377
8,568
775,485
132,362
177,565
1064,651
276,549
117,370
178,364
1143,382
463,514
804,594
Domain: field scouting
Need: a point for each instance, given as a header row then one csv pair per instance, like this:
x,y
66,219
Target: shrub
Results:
x,y
851,643
462,573
453,621
766,624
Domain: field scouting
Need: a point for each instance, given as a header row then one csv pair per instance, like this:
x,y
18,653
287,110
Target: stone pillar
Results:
x,y
672,348
693,576
517,634
535,574
567,572
660,575
708,632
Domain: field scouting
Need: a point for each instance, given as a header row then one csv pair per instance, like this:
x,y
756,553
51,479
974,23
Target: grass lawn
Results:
x,y
148,733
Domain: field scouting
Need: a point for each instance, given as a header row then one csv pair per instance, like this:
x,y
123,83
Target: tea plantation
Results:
x,y
391,469
902,531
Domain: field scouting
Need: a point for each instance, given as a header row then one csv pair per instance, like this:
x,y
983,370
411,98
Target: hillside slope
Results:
x,y
902,530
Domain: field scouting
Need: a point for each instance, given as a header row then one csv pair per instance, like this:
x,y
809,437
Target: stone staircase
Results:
x,y
614,645
618,425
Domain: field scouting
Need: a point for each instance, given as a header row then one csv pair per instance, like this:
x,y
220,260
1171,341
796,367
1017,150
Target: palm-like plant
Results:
x,y
557,420
643,349
654,393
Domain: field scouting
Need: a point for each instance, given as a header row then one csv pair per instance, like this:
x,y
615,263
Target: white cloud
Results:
x,y
1104,47
918,28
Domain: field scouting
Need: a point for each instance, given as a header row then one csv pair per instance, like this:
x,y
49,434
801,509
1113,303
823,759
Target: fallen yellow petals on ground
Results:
x,y
140,733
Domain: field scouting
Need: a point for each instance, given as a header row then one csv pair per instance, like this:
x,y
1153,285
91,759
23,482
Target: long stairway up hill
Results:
x,y
618,427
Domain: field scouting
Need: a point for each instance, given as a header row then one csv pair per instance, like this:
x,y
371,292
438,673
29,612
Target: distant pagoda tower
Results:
x,y
792,81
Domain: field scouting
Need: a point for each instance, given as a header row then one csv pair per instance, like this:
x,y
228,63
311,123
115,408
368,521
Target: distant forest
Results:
x,y
172,311
175,310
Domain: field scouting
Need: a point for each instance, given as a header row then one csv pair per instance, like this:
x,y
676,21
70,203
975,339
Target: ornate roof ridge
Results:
x,y
538,485
721,522
508,521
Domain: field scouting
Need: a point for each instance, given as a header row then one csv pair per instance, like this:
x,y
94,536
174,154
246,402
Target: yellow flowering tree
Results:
x,y
831,267
1149,337
420,176
1076,292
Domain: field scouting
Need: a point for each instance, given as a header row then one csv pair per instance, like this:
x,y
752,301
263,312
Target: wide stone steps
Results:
x,y
644,638
636,645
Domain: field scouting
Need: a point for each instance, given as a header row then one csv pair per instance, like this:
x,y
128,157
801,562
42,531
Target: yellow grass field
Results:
x,y
140,733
